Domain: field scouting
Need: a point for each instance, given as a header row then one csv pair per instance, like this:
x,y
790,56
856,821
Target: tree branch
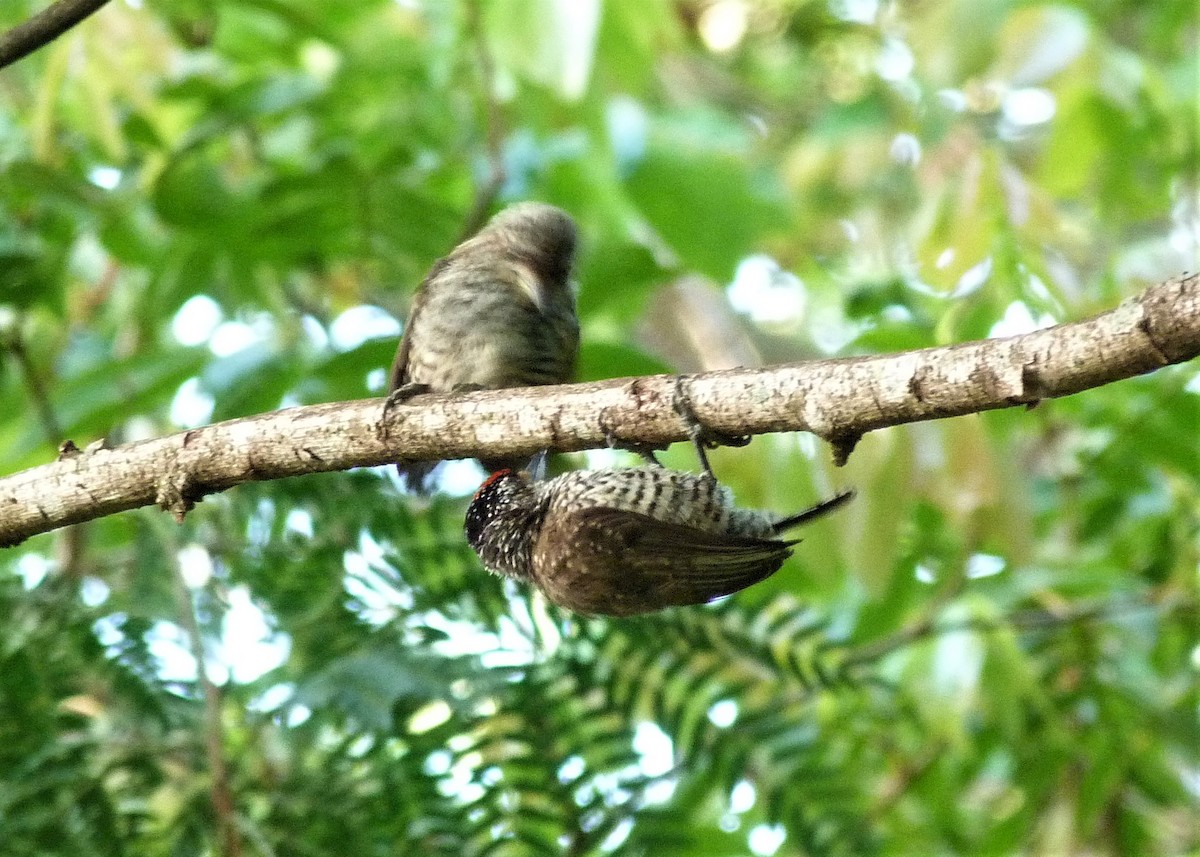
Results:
x,y
839,400
43,28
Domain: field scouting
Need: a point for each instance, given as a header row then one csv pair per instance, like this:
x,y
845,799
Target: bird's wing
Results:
x,y
398,377
605,560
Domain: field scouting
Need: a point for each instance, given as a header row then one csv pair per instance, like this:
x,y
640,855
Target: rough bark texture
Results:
x,y
840,400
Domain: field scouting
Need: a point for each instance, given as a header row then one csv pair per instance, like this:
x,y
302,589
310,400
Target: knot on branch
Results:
x,y
175,492
1033,386
843,444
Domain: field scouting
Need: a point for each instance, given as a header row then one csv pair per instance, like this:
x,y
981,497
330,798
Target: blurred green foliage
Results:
x,y
210,210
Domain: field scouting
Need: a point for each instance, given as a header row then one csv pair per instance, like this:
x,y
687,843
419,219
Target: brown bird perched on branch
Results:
x,y
628,541
498,311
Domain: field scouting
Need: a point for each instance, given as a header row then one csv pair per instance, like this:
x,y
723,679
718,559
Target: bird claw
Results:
x,y
703,437
644,450
402,394
399,396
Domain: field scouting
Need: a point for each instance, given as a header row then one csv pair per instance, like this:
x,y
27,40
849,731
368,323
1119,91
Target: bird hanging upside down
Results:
x,y
626,541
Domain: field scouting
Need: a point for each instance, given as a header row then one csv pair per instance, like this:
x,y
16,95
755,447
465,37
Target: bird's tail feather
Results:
x,y
416,475
817,511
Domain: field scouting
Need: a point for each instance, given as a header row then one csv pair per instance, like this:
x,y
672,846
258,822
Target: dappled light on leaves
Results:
x,y
210,211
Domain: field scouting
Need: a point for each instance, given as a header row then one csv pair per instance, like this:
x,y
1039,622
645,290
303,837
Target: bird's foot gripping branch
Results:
x,y
835,399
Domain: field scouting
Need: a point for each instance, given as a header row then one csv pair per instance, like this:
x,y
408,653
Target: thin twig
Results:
x,y
69,550
220,792
906,778
15,345
43,28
